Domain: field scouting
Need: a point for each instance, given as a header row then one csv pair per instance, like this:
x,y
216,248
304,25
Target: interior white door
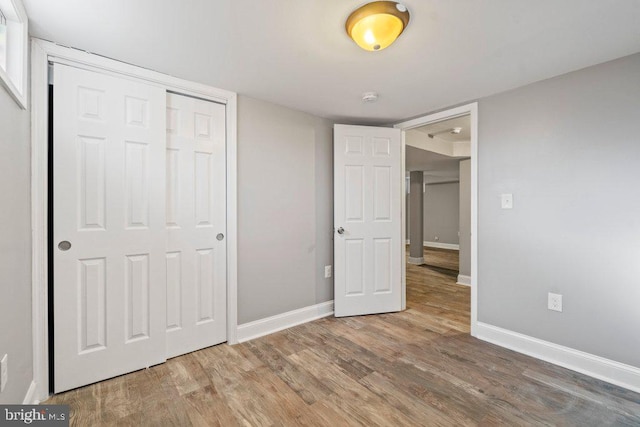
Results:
x,y
368,238
109,226
196,223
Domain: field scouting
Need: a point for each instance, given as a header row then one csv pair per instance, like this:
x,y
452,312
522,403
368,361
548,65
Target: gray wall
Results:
x,y
441,211
285,209
465,218
568,149
415,224
15,248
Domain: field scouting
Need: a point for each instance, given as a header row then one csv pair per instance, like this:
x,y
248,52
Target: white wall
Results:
x,y
15,248
285,209
568,149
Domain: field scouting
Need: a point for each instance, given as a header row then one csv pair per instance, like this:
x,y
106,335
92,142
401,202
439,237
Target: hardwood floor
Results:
x,y
417,367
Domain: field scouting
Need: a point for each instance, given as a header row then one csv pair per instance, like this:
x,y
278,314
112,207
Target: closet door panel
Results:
x,y
196,224
109,256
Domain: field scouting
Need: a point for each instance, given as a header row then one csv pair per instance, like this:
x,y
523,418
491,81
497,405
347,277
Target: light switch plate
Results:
x,y
507,201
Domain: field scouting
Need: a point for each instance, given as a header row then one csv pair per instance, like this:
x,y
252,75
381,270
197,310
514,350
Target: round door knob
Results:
x,y
64,245
340,230
220,236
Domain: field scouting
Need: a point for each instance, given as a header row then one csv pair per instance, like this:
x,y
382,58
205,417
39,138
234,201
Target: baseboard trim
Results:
x,y
269,325
613,372
415,260
30,397
464,280
438,245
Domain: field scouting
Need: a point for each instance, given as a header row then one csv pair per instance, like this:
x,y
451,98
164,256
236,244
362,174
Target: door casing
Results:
x,y
42,53
472,110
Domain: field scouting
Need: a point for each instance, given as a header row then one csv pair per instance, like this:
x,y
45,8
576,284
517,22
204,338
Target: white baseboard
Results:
x,y
438,245
464,280
269,325
30,397
613,372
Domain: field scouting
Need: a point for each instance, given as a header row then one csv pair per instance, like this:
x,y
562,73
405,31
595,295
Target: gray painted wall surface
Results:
x,y
15,248
568,149
415,212
441,213
285,209
465,218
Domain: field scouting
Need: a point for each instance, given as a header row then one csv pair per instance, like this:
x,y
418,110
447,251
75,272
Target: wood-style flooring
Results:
x,y
419,367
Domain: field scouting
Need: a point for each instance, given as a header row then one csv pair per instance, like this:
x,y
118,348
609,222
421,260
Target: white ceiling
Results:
x,y
296,53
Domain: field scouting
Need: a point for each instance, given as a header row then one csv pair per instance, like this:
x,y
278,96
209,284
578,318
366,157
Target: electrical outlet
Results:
x,y
4,372
555,302
327,271
507,201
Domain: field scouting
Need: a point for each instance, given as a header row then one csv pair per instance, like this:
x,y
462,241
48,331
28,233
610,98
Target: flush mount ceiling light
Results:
x,y
376,25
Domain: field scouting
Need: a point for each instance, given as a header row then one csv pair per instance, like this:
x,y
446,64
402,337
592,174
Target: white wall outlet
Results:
x,y
327,271
4,372
507,201
555,302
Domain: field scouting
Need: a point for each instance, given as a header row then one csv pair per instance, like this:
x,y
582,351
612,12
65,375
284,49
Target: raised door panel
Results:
x,y
92,316
173,187
137,184
174,290
91,183
137,290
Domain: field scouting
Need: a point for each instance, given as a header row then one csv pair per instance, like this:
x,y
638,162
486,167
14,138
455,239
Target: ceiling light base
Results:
x,y
369,97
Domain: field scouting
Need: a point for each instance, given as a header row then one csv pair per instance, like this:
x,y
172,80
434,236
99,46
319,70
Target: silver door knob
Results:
x,y
340,230
64,245
220,236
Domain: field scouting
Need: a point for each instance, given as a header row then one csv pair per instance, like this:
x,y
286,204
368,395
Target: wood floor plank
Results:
x,y
207,408
416,367
308,387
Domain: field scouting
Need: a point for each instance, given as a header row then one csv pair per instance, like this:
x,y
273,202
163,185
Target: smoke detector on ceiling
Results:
x,y
369,97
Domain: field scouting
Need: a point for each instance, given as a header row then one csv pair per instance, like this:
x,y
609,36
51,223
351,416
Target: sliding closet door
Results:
x,y
196,225
109,226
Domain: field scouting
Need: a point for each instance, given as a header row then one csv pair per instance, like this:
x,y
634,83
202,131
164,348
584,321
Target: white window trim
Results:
x,y
43,52
15,79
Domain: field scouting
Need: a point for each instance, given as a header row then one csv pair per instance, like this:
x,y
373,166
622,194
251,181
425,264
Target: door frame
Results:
x,y
43,52
472,110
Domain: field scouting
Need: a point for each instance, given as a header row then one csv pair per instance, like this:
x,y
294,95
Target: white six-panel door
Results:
x,y
109,226
367,238
196,224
